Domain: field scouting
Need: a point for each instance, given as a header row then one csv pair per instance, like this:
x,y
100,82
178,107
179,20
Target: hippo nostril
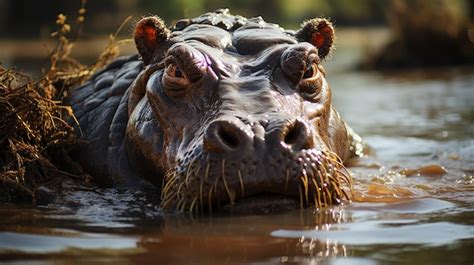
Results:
x,y
224,136
293,133
298,135
228,137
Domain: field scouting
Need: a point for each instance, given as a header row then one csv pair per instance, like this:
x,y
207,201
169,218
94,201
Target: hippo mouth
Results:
x,y
313,178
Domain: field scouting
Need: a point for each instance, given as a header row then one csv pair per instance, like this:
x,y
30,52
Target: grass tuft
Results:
x,y
35,124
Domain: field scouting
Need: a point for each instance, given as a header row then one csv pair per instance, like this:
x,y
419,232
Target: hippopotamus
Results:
x,y
218,111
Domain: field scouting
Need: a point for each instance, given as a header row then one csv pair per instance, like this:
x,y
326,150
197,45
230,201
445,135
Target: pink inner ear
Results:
x,y
319,38
147,33
150,36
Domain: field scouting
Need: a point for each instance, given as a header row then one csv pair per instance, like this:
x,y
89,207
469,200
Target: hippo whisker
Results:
x,y
215,183
304,180
181,204
207,170
188,171
193,203
242,187
170,180
196,173
323,185
344,174
287,178
327,178
209,197
336,188
167,201
323,191
320,182
179,189
301,197
341,173
318,188
317,197
231,198
200,193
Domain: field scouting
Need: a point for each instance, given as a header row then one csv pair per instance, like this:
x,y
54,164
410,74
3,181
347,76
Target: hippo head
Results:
x,y
236,111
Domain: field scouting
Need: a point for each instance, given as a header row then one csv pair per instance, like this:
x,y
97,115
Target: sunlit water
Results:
x,y
413,196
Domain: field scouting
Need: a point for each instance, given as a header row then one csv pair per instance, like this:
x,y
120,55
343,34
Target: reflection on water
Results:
x,y
42,244
382,225
413,197
420,129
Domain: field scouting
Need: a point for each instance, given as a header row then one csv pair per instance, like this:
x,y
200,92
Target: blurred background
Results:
x,y
30,19
370,25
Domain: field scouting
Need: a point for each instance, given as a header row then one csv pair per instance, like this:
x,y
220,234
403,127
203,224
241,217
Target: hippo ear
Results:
x,y
320,33
150,35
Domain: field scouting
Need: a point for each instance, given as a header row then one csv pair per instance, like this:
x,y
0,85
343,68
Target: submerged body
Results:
x,y
219,110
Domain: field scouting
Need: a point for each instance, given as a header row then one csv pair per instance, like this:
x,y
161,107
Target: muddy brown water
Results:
x,y
413,196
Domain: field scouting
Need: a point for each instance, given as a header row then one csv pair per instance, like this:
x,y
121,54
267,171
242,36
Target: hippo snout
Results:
x,y
236,159
260,152
230,134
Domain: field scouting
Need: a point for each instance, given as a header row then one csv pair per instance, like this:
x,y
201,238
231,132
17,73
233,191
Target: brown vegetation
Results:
x,y
35,130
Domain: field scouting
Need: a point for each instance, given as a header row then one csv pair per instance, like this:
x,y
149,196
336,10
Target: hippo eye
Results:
x,y
177,72
173,71
174,76
311,70
310,83
309,91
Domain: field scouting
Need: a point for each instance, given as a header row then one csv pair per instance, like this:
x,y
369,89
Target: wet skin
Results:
x,y
220,111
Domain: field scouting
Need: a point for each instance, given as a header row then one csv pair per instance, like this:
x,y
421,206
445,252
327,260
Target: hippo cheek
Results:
x,y
144,143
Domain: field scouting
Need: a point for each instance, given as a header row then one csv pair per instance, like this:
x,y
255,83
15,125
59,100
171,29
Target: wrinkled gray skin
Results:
x,y
242,127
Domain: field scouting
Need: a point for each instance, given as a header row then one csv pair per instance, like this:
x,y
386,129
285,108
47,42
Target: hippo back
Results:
x,y
100,107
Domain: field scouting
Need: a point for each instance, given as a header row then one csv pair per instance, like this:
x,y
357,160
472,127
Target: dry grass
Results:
x,y
35,130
